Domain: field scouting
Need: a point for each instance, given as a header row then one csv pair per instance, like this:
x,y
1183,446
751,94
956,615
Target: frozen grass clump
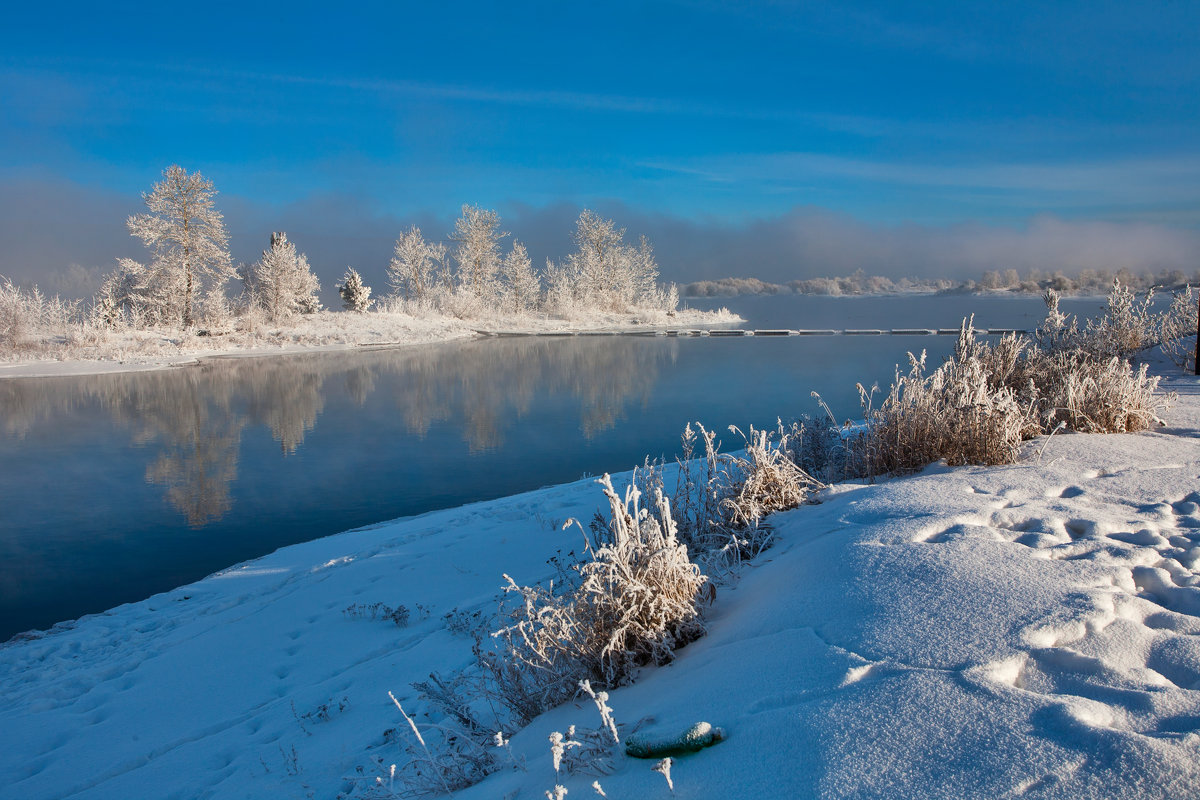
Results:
x,y
951,414
987,398
1093,394
817,447
722,500
637,600
762,481
1084,379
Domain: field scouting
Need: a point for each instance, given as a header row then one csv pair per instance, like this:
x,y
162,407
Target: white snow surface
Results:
x,y
1023,631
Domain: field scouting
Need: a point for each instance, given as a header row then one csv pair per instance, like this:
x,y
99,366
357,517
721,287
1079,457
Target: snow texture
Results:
x,y
1021,631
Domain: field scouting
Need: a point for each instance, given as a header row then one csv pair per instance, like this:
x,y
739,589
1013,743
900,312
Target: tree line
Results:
x,y
473,275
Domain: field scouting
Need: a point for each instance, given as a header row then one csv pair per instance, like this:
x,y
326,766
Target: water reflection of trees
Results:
x,y
194,418
490,383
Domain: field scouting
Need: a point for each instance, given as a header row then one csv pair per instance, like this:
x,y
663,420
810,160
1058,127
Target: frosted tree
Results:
x,y
560,287
281,282
606,272
521,284
123,297
641,276
477,254
356,295
415,265
186,235
597,263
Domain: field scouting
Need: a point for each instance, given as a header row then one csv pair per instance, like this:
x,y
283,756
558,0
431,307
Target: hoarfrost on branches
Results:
x,y
414,268
522,288
186,234
605,272
478,235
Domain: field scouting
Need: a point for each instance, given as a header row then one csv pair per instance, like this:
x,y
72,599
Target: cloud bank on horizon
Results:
x,y
777,141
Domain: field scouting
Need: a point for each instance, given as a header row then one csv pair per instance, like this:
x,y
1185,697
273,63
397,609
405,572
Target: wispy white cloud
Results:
x,y
1102,182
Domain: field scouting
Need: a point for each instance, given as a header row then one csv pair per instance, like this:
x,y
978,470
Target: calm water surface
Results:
x,y
114,487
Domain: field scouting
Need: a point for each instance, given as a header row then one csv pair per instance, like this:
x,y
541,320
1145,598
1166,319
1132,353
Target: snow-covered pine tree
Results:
x,y
478,235
522,287
186,234
281,282
413,269
356,295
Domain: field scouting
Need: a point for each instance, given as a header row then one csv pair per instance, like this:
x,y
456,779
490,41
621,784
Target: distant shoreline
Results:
x,y
170,353
859,285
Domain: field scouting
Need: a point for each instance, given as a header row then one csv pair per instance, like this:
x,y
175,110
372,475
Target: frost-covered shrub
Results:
x,y
1127,326
1093,394
462,303
637,600
722,500
1177,329
817,447
699,491
948,414
30,319
1084,378
216,313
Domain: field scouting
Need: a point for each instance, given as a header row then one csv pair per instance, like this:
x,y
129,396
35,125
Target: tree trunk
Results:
x,y
187,301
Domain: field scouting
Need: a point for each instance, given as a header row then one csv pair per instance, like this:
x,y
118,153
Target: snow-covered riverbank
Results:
x,y
136,350
1031,630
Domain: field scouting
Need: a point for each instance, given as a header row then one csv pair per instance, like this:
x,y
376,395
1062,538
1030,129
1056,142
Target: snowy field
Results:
x,y
1021,631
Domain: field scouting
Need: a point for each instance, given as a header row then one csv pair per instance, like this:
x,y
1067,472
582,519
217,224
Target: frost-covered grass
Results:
x,y
986,399
635,600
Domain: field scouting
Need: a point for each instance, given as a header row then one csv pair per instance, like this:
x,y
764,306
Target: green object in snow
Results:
x,y
697,737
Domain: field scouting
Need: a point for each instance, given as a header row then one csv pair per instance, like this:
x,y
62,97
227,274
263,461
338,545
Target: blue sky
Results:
x,y
697,116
